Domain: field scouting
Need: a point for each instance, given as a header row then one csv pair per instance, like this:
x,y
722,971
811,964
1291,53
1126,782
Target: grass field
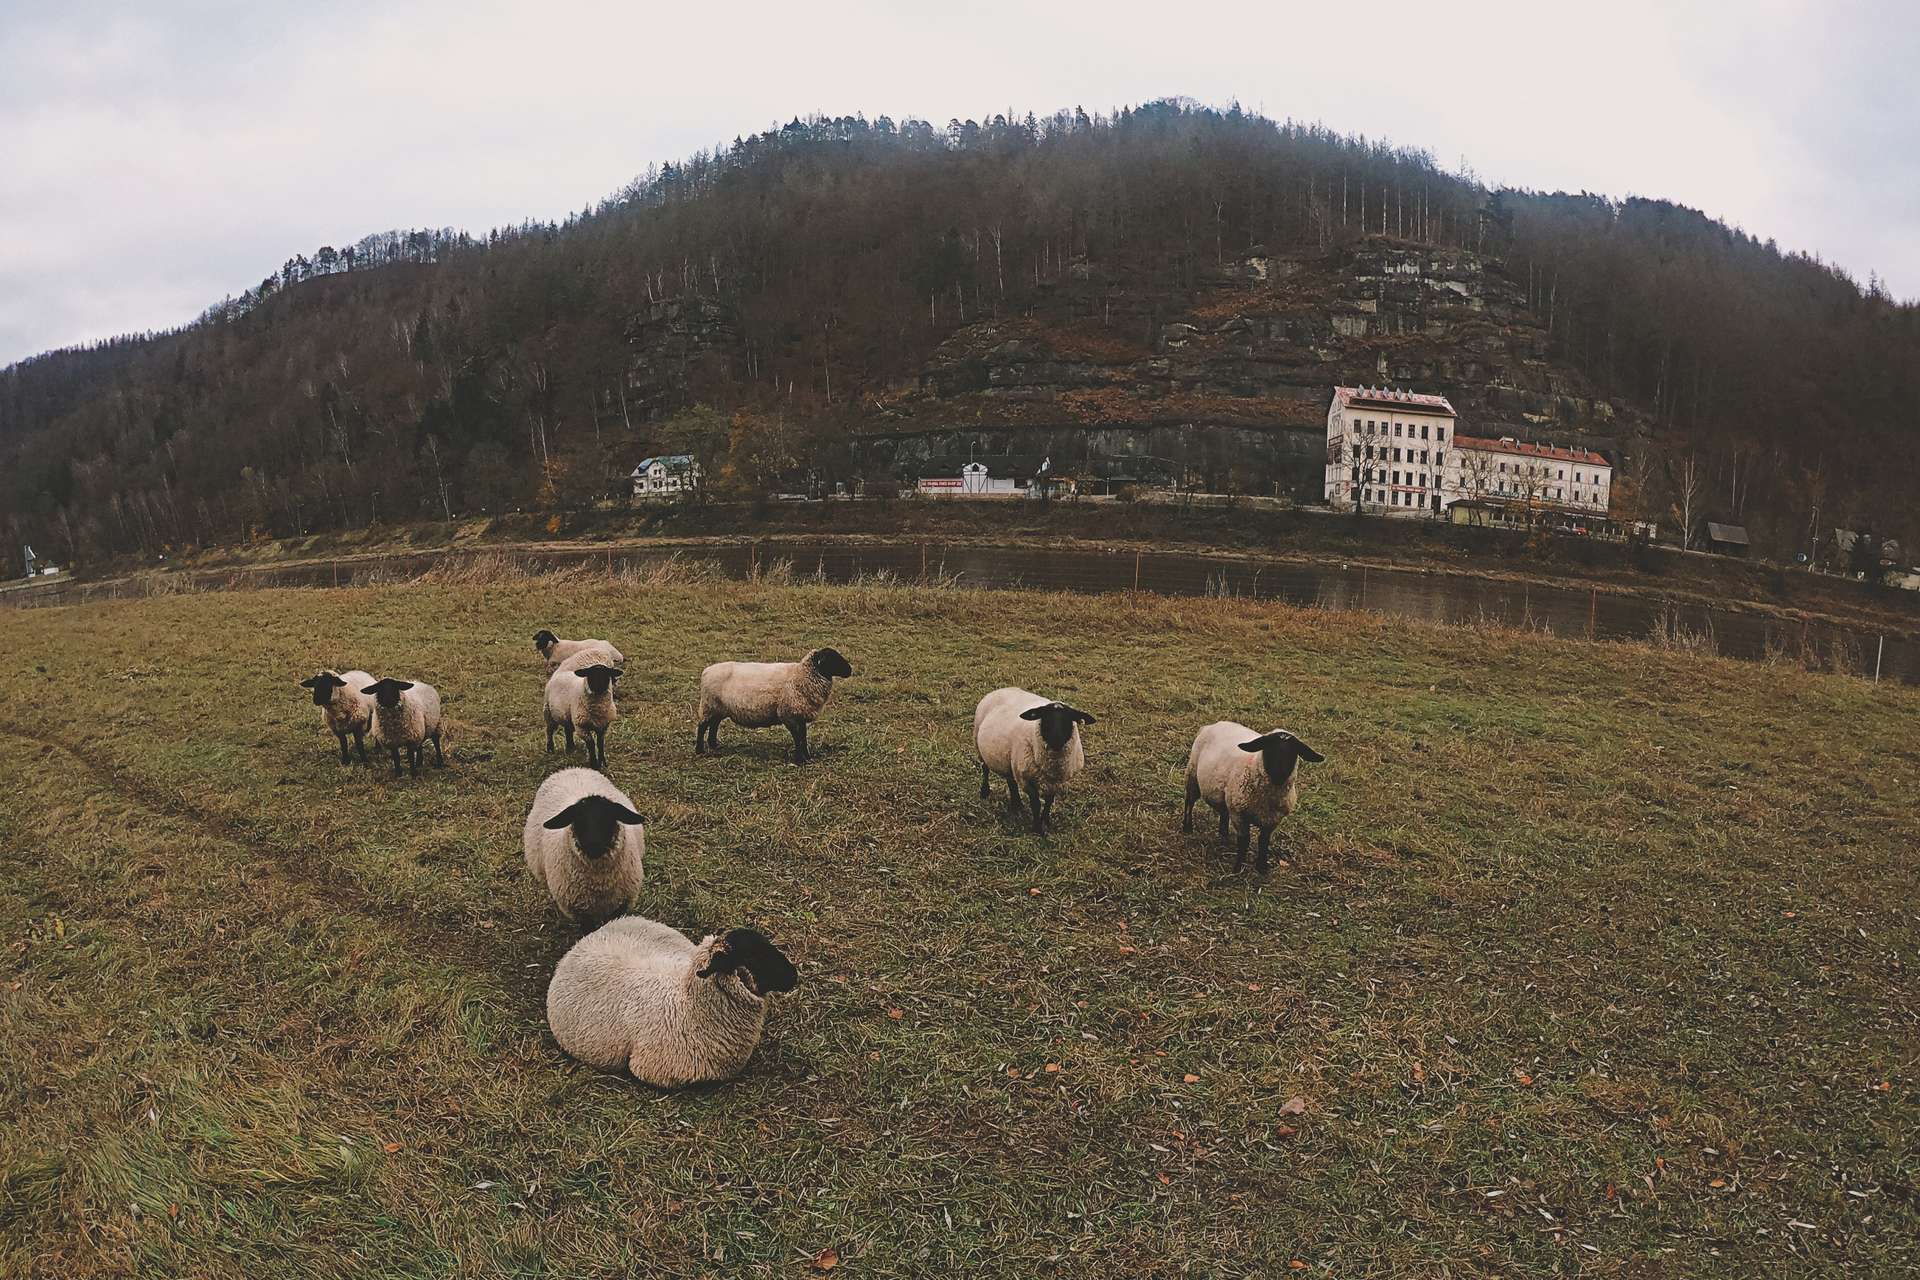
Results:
x,y
1587,959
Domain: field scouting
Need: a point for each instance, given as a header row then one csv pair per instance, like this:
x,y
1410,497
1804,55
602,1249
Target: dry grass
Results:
x,y
1590,958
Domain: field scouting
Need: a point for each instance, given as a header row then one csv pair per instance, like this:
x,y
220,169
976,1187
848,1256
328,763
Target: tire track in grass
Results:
x,y
445,934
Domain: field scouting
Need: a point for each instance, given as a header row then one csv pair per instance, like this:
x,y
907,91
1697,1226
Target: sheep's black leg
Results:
x,y
344,757
551,726
360,744
1013,796
1193,798
799,731
1240,853
1260,862
1048,815
396,760
439,760
699,737
568,726
1039,814
1223,824
985,779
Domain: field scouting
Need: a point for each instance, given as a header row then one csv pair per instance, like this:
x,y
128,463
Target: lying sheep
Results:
x,y
344,708
1250,776
1033,743
639,995
406,714
580,698
757,694
586,846
556,651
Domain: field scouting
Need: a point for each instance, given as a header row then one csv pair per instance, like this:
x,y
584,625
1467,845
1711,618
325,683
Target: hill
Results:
x,y
853,297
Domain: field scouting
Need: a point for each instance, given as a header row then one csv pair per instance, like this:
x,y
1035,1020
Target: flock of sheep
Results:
x,y
638,994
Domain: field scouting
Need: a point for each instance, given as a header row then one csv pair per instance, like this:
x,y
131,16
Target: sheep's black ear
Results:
x,y
371,689
719,962
403,685
563,819
1081,716
1308,753
309,682
624,815
1256,745
595,669
543,638
1033,713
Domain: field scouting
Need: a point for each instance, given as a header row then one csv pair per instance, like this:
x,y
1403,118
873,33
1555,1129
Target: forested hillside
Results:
x,y
820,283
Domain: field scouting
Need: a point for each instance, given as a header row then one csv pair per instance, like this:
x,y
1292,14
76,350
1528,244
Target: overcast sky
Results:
x,y
155,157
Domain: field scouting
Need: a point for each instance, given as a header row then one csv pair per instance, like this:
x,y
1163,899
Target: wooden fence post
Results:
x,y
1136,572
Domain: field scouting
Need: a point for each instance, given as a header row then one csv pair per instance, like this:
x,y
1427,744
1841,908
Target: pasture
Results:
x,y
1585,958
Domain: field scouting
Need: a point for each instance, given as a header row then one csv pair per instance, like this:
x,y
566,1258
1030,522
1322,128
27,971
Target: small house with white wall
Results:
x,y
972,482
666,477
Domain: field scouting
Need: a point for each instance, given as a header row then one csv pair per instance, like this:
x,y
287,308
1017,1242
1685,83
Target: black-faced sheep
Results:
x,y
345,709
1250,776
406,713
755,695
586,846
580,699
1032,742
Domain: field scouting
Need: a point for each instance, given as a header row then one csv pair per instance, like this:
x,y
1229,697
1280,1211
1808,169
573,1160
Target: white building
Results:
x,y
1387,450
666,477
1397,453
973,481
1510,480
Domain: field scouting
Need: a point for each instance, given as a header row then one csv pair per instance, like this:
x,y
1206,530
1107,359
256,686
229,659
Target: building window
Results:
x,y
1440,433
1439,457
1396,453
1396,429
1423,431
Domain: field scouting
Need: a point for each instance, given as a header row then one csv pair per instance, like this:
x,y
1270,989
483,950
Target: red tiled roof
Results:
x,y
1586,456
1386,397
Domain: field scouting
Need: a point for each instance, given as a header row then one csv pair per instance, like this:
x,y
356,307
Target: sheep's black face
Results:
x,y
1280,752
544,640
830,664
323,686
1057,720
761,966
387,692
596,823
599,678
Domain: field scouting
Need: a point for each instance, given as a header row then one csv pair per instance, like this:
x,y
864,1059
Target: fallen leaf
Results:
x,y
1165,1181
392,1147
1718,1182
1013,1073
827,1259
1127,951
1660,1163
1053,1068
1284,1131
1296,1265
1609,1191
1034,892
173,1211
895,1014
1419,1074
1523,1078
1294,1106
1191,1078
1253,986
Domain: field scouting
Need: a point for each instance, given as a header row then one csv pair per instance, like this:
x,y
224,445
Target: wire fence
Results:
x,y
1437,597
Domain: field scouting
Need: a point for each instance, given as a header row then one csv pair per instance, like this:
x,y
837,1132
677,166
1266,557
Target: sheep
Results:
x,y
344,708
580,697
757,694
639,995
1251,776
406,714
1033,743
586,846
556,651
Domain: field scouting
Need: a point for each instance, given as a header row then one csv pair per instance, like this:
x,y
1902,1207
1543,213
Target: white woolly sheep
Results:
x,y
344,708
755,695
586,846
406,714
1032,742
639,995
580,698
556,651
1254,777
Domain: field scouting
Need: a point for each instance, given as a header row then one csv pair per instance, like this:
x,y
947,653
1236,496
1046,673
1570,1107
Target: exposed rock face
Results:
x,y
678,346
1251,356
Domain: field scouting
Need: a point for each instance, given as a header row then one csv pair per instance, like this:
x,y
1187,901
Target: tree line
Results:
x,y
432,373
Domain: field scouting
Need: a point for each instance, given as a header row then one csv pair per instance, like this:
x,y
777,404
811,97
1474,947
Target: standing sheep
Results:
x,y
1033,743
586,846
757,694
1251,776
556,651
344,708
406,714
581,698
639,995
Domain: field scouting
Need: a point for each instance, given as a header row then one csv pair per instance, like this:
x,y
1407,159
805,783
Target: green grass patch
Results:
x,y
1586,958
